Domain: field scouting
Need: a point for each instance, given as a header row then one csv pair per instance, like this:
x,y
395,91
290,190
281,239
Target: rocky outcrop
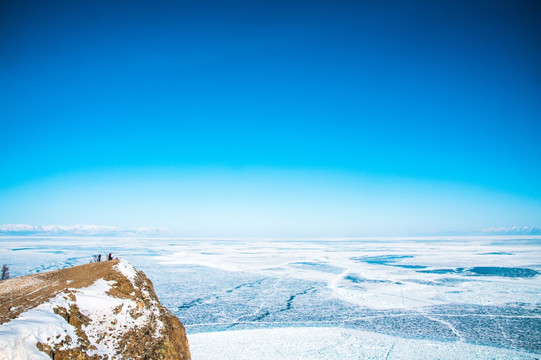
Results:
x,y
105,310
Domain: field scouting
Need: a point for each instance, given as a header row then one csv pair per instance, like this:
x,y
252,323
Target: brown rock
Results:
x,y
153,333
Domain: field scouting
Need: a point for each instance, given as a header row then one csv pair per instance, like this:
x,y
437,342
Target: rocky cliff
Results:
x,y
105,310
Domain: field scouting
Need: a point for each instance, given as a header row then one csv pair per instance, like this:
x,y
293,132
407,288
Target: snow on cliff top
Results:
x,y
126,269
18,338
104,319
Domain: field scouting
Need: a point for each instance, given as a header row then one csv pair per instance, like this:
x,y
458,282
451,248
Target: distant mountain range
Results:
x,y
106,230
79,230
493,231
515,230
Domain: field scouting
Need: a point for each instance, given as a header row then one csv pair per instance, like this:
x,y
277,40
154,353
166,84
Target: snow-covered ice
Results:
x,y
482,291
333,343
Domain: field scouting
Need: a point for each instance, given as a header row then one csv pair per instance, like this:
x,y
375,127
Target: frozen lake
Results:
x,y
477,291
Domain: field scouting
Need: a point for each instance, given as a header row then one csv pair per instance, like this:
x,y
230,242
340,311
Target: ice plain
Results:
x,y
458,294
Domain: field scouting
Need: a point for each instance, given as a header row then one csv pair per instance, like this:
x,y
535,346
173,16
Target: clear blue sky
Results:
x,y
271,118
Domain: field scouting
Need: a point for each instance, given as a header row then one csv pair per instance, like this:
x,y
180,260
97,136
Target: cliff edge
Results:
x,y
105,310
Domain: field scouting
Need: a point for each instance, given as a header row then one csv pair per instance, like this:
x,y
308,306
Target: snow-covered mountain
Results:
x,y
514,230
79,230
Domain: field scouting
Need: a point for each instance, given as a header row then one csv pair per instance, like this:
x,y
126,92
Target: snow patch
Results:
x,y
333,343
111,317
129,271
126,269
18,338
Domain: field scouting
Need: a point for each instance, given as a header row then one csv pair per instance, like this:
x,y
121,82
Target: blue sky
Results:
x,y
278,118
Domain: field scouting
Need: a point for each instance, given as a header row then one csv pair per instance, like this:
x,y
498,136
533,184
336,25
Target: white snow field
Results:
x,y
333,343
456,296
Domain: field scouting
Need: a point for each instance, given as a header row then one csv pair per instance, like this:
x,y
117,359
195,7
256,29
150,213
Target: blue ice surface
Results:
x,y
243,301
323,267
442,271
502,271
497,253
405,266
389,260
382,259
357,279
487,271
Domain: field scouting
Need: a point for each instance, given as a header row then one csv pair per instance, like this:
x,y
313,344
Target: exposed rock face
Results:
x,y
105,310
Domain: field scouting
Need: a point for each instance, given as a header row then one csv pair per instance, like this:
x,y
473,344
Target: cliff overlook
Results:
x,y
103,310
